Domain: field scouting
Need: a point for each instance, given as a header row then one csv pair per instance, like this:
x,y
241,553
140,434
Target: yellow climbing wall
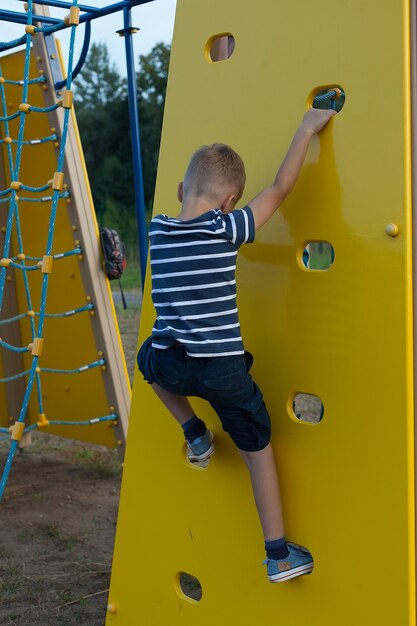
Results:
x,y
344,335
73,341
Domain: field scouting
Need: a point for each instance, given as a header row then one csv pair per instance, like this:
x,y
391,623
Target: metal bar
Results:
x,y
135,138
66,4
53,57
113,8
60,4
91,12
83,55
21,18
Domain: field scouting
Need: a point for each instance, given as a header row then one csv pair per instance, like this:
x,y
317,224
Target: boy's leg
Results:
x,y
152,364
199,439
284,560
266,491
178,406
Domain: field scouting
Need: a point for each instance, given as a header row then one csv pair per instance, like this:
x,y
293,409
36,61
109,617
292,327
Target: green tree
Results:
x,y
99,82
102,113
101,106
152,82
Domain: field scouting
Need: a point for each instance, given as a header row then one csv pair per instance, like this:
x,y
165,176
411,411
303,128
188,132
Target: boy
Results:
x,y
196,348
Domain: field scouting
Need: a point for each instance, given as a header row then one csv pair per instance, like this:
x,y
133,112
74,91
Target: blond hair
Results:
x,y
215,169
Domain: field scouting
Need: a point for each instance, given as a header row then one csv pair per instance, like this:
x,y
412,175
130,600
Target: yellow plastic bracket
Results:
x,y
73,18
7,140
2,80
21,256
337,94
30,313
42,420
37,346
17,430
67,99
58,181
5,262
30,29
47,264
15,185
24,107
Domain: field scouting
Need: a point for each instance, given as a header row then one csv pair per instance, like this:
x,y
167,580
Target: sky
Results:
x,y
155,20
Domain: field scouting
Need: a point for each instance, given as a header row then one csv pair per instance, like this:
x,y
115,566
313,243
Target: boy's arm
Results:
x,y
267,201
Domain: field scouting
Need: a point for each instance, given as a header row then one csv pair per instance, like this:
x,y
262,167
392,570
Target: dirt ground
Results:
x,y
58,520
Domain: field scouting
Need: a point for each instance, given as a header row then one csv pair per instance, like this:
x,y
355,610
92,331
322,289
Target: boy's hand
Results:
x,y
315,119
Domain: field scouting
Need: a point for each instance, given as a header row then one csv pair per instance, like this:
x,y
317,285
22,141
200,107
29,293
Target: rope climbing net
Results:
x,y
12,197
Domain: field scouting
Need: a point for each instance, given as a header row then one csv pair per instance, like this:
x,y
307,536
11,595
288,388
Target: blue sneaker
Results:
x,y
298,562
202,448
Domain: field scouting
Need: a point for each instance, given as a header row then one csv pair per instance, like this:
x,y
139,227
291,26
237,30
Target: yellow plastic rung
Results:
x,y
15,185
67,99
5,262
25,107
73,18
37,346
46,264
58,181
17,430
30,29
42,420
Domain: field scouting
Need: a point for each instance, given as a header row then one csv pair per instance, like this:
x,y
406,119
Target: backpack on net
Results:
x,y
114,254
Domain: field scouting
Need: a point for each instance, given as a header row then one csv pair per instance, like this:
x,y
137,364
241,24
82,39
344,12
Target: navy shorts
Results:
x,y
224,382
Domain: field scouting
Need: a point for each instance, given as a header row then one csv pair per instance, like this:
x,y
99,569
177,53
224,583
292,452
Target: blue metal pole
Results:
x,y
13,16
61,4
135,135
81,60
21,18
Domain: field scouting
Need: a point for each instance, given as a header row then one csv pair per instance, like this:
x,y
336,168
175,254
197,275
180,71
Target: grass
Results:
x,y
321,255
131,278
101,463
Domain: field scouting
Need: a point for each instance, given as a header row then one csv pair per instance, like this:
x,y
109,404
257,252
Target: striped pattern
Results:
x,y
193,267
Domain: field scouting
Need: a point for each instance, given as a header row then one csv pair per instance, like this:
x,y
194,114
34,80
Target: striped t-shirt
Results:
x,y
193,267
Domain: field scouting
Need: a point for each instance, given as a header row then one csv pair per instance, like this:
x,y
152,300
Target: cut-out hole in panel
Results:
x,y
307,407
199,465
332,97
317,255
188,587
220,47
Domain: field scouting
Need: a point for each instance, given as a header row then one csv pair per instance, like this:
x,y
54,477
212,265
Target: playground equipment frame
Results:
x,y
87,14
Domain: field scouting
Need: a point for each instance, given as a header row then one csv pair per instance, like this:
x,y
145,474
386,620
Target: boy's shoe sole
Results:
x,y
195,458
